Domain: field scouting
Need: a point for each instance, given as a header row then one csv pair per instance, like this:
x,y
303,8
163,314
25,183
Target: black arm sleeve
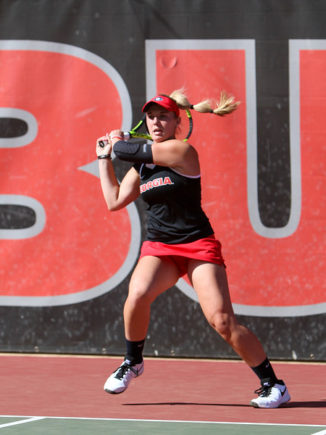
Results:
x,y
133,152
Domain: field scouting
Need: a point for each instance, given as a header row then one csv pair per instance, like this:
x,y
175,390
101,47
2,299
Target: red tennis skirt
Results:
x,y
207,249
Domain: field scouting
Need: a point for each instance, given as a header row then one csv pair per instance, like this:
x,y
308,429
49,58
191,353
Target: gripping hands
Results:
x,y
105,144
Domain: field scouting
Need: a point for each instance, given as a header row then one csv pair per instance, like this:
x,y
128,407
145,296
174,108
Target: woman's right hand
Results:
x,y
103,146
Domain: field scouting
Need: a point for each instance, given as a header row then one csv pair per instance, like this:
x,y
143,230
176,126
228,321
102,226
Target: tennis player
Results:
x,y
180,240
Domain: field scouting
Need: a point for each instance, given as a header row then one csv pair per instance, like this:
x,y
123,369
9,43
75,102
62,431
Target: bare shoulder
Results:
x,y
176,154
189,161
180,146
187,148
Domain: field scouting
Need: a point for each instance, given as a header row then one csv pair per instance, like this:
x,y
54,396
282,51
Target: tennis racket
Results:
x,y
134,132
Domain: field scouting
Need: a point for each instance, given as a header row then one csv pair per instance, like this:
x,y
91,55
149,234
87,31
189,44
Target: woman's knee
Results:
x,y
139,295
223,324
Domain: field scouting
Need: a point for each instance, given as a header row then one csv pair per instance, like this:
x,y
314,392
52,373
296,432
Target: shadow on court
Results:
x,y
169,390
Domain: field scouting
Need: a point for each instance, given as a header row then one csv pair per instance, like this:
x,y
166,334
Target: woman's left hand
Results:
x,y
115,136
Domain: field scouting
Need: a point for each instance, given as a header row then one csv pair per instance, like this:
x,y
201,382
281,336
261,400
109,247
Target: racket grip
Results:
x,y
126,135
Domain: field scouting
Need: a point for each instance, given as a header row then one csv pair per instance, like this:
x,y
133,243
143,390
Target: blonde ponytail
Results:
x,y
225,106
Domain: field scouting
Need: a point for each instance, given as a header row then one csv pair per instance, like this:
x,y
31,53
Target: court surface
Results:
x,y
47,394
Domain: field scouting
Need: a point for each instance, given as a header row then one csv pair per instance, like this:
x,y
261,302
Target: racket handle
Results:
x,y
102,143
126,135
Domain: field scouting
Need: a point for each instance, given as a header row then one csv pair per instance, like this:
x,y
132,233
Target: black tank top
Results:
x,y
174,212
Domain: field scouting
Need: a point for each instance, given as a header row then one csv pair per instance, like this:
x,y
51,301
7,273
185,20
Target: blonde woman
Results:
x,y
180,239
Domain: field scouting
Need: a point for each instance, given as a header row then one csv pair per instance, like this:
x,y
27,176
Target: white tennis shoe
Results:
x,y
120,379
271,396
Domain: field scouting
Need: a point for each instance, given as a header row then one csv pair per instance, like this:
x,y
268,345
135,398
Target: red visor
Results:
x,y
165,102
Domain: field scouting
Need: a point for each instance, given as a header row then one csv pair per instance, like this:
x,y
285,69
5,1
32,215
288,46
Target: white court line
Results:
x,y
199,422
13,423
322,432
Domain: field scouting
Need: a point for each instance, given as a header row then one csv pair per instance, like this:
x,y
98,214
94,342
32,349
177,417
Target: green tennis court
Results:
x,y
81,426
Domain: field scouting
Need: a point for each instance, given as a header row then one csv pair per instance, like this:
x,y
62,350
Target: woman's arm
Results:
x,y
116,195
178,155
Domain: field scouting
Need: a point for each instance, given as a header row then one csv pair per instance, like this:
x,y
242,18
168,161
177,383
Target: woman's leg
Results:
x,y
151,277
210,283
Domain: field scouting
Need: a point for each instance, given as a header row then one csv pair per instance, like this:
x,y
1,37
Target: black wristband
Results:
x,y
104,156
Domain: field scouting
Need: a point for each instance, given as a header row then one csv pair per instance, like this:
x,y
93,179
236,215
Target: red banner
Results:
x,y
78,248
269,268
73,96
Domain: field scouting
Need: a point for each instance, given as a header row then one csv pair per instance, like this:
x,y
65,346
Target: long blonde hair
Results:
x,y
224,106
